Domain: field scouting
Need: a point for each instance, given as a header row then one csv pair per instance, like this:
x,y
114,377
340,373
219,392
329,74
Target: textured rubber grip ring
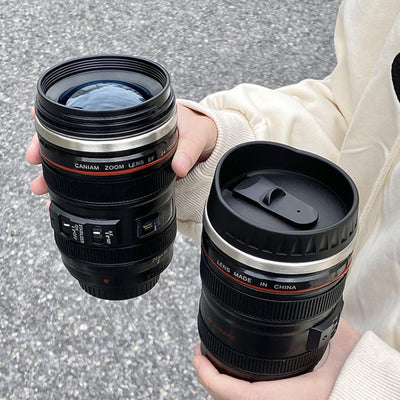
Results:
x,y
267,309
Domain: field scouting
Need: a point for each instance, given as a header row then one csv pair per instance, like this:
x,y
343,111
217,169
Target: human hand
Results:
x,y
32,155
197,137
316,385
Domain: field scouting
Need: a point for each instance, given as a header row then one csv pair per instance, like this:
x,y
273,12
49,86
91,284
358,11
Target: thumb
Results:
x,y
197,137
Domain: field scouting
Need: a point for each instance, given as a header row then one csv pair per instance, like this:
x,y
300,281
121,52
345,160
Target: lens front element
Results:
x,y
104,95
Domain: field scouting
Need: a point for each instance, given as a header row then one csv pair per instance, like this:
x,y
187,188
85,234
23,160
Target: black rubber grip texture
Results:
x,y
118,293
267,309
107,192
257,365
114,256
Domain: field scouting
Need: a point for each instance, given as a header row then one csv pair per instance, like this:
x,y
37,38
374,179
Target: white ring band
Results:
x,y
105,145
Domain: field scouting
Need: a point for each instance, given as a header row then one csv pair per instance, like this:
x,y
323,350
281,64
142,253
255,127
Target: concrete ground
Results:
x,y
56,342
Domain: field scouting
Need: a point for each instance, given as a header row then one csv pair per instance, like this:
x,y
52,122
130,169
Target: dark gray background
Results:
x,y
56,342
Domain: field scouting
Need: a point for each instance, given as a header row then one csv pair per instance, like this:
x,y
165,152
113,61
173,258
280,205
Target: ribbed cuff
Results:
x,y
371,372
192,191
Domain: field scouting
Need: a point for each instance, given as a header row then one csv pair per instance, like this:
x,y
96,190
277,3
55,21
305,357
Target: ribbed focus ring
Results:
x,y
257,365
97,191
269,310
116,255
118,293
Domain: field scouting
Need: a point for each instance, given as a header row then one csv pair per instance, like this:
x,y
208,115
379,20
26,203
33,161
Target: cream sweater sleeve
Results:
x,y
371,372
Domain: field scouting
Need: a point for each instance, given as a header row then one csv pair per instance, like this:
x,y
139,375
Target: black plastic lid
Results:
x,y
279,203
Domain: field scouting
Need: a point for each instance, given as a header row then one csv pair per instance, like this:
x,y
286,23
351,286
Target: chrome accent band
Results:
x,y
276,267
105,145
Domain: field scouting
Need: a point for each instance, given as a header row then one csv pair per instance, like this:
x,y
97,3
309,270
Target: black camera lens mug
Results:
x,y
107,132
279,230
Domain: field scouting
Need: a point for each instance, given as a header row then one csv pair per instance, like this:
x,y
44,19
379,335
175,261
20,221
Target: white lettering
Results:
x,y
109,235
114,167
157,259
284,287
75,230
87,167
263,284
223,266
242,277
134,164
81,236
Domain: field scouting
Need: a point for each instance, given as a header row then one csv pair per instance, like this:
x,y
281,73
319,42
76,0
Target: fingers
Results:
x,y
32,155
223,387
197,137
197,350
309,386
341,345
33,152
182,163
38,185
220,386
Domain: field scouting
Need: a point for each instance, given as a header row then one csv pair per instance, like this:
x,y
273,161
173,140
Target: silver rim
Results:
x,y
276,267
108,145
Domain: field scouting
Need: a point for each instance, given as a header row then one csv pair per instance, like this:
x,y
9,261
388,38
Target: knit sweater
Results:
x,y
352,118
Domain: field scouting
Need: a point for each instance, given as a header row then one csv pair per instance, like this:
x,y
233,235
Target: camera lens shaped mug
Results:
x,y
279,230
107,134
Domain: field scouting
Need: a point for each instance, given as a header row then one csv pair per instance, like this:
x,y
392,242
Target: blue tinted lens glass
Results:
x,y
104,95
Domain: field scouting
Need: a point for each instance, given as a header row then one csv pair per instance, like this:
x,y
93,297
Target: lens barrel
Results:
x,y
278,234
107,162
